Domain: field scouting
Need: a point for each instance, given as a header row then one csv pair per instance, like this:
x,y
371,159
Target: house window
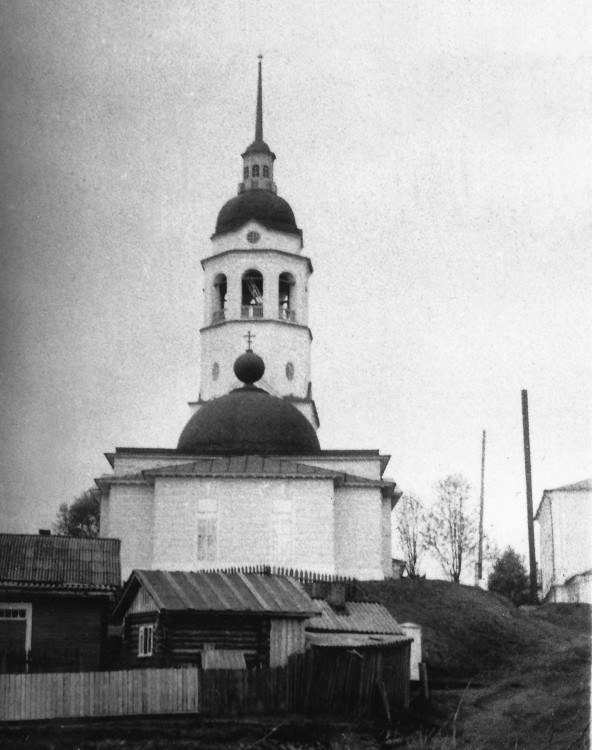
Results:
x,y
255,170
207,529
206,539
282,531
246,172
145,640
265,170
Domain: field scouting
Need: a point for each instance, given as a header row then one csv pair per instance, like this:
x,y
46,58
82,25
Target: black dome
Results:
x,y
249,421
267,207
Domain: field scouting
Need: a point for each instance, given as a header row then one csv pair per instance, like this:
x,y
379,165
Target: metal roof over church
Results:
x,y
59,561
219,592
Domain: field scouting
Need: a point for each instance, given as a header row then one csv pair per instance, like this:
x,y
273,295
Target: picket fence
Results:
x,y
84,694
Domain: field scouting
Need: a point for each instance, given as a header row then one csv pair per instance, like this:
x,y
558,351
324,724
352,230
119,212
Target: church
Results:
x,y
248,483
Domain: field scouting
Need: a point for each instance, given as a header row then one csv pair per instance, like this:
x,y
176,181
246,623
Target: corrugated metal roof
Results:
x,y
354,640
59,561
223,592
261,466
242,466
359,617
585,484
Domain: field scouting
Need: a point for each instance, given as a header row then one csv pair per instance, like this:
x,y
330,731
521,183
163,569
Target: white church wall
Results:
x,y
276,342
289,243
546,547
565,530
270,264
358,532
251,521
104,518
386,530
131,520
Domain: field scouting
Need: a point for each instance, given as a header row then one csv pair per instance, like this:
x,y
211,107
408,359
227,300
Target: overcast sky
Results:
x,y
438,159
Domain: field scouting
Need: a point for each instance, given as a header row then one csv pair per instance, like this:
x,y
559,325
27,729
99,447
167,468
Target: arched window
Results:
x,y
286,297
255,170
252,294
246,173
265,170
220,298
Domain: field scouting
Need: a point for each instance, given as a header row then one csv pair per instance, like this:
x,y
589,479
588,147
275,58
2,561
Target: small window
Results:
x,y
206,538
255,170
265,170
246,173
13,614
145,640
290,371
215,371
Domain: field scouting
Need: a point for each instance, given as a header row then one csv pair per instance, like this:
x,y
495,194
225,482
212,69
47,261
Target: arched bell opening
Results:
x,y
220,298
252,294
286,297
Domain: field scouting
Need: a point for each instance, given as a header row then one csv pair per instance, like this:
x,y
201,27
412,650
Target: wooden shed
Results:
x,y
215,620
55,597
362,651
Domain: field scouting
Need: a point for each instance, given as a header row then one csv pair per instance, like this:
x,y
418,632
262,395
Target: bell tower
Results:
x,y
256,286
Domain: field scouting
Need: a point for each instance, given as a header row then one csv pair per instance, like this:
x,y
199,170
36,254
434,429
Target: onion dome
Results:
x,y
249,420
263,205
249,367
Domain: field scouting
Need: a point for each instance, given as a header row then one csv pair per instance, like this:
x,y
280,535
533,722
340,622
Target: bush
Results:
x,y
509,578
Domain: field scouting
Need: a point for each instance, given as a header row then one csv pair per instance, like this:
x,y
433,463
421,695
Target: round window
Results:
x,y
215,371
290,371
253,237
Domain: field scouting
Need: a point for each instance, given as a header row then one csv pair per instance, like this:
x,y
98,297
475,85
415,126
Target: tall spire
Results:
x,y
259,118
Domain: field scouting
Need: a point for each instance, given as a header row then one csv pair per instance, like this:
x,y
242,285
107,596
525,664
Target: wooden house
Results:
x,y
55,597
214,620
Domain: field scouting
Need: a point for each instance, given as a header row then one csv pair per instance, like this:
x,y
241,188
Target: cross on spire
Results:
x,y
249,338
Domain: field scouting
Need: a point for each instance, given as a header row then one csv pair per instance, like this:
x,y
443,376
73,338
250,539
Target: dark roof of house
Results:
x,y
59,562
227,593
356,617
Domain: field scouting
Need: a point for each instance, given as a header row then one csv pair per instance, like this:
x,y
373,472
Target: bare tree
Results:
x,y
81,518
452,531
411,527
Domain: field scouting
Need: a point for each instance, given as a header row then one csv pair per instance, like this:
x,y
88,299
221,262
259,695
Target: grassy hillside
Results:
x,y
467,631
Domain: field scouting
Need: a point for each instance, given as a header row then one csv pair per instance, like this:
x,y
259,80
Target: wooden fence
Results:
x,y
332,681
85,694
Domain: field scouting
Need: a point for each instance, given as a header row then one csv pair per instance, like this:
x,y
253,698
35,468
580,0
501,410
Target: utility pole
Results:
x,y
530,521
480,560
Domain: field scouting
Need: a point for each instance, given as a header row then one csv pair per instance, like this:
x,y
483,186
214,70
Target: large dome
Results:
x,y
249,421
263,205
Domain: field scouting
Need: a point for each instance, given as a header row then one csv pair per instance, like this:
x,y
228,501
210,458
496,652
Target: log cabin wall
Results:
x,y
180,637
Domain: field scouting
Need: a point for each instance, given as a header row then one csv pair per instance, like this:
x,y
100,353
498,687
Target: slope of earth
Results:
x,y
469,632
534,661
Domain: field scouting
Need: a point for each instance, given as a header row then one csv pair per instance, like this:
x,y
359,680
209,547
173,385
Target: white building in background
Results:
x,y
565,525
248,483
